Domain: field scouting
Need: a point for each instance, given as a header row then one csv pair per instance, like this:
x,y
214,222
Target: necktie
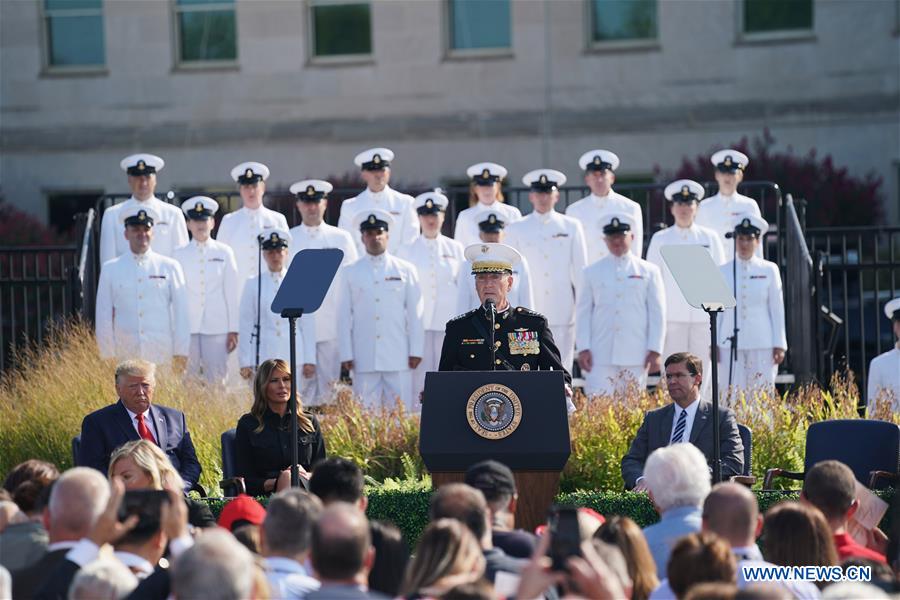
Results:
x,y
143,430
679,427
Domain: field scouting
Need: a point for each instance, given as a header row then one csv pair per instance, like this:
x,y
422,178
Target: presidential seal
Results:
x,y
494,411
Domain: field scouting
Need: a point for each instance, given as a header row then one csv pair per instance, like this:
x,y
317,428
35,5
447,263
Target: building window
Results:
x,y
74,33
205,31
341,28
766,16
479,24
622,20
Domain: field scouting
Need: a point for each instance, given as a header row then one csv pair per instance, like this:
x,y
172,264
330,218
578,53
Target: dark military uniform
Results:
x,y
522,338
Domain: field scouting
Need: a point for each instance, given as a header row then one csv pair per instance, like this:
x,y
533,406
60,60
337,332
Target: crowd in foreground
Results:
x,y
135,534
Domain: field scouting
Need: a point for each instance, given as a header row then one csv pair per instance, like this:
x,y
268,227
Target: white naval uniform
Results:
x,y
554,246
719,213
621,316
317,390
760,307
142,308
274,331
466,229
437,264
381,327
400,206
884,378
590,210
240,230
687,328
169,231
520,294
211,278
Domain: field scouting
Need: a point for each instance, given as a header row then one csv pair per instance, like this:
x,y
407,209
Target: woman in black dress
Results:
x,y
263,437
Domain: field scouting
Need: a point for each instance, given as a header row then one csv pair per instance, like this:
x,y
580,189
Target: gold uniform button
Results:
x,y
496,325
496,344
471,356
497,361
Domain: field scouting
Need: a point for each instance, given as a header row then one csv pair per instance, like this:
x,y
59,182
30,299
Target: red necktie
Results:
x,y
143,430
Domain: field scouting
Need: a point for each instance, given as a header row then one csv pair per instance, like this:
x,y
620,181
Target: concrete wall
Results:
x,y
836,90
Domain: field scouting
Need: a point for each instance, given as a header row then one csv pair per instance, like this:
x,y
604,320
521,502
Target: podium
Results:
x,y
518,418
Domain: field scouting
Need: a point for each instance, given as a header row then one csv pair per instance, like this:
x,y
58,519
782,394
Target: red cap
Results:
x,y
242,508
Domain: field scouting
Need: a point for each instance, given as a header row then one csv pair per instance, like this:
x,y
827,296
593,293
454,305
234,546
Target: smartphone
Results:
x,y
147,505
565,536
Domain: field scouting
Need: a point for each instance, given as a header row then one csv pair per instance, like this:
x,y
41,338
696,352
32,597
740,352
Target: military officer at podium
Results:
x,y
884,370
142,303
259,325
522,340
211,276
718,212
380,332
240,229
315,233
761,340
169,231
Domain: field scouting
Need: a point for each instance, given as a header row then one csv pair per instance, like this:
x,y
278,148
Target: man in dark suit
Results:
x,y
134,417
687,419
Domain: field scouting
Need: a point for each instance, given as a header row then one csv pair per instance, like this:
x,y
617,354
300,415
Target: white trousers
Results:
x,y
564,336
434,340
613,379
377,389
208,358
752,369
317,390
693,338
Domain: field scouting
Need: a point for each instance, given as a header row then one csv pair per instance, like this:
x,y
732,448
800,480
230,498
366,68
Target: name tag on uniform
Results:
x,y
524,342
472,341
217,260
559,235
447,256
268,226
758,276
395,212
635,277
705,245
162,223
393,278
156,277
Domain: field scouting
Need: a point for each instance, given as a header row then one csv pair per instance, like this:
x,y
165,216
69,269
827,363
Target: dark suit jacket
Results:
x,y
26,582
106,429
656,431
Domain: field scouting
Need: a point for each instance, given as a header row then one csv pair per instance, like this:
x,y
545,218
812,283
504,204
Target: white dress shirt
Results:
x,y
381,314
322,237
400,206
719,212
760,306
554,246
169,231
689,420
240,230
142,308
437,263
211,277
138,565
590,211
466,229
884,374
621,314
677,308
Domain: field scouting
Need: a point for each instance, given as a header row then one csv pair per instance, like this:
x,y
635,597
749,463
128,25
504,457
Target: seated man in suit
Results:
x,y
134,417
684,377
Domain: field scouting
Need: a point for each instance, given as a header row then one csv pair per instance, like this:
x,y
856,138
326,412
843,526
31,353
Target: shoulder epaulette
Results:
x,y
463,316
528,312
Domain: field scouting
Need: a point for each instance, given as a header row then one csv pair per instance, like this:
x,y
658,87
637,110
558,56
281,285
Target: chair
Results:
x,y
870,448
76,448
230,484
746,477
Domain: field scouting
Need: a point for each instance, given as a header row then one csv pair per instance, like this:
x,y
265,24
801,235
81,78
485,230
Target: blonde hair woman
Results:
x,y
142,465
447,555
485,196
263,437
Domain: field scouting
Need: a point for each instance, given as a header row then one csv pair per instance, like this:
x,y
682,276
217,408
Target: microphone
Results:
x,y
729,235
489,306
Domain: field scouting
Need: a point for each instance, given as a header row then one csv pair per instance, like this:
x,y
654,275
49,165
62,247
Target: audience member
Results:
x,y
249,536
285,539
77,499
5,583
882,575
391,558
712,591
626,535
242,510
24,540
697,558
796,534
853,590
337,479
464,503
677,479
135,417
342,554
475,590
447,555
830,486
497,483
140,548
612,556
263,439
103,579
142,465
216,567
763,591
